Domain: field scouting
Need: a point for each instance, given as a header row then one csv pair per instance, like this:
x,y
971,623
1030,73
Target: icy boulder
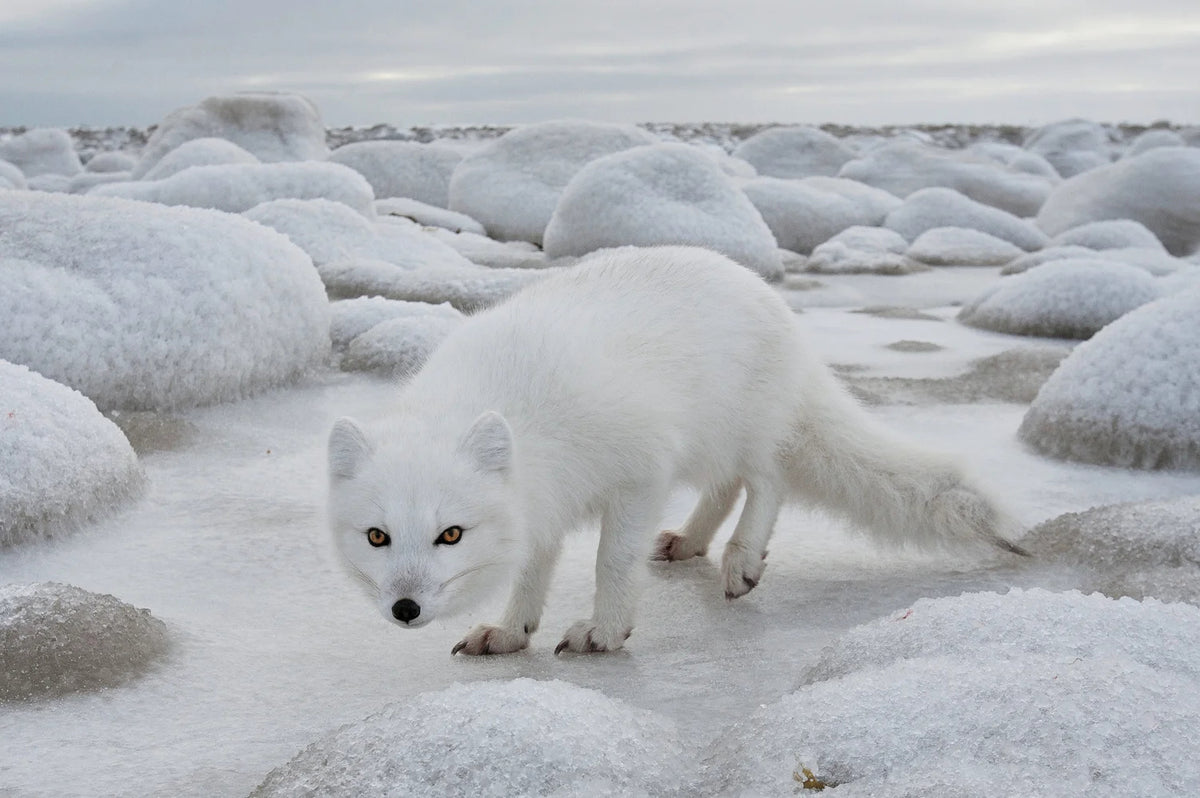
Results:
x,y
859,250
1153,261
468,289
794,152
1130,396
84,182
512,184
521,737
906,167
1159,188
350,318
403,168
431,216
943,207
57,639
803,214
1109,234
1040,692
61,462
44,151
660,194
961,246
388,336
1152,139
113,161
145,307
11,176
1016,158
239,187
198,152
1072,298
1072,146
273,127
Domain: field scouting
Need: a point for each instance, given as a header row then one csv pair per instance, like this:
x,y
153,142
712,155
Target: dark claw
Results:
x,y
459,646
560,647
590,644
750,583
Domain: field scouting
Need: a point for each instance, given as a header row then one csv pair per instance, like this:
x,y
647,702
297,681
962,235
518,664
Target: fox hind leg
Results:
x,y
743,562
692,539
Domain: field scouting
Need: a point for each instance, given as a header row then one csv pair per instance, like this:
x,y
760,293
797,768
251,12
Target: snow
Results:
x,y
429,215
943,207
11,176
802,215
1072,146
43,151
62,464
388,336
794,152
1156,262
403,168
111,162
350,318
961,246
860,249
1109,234
207,151
84,182
660,194
1154,138
1017,158
468,288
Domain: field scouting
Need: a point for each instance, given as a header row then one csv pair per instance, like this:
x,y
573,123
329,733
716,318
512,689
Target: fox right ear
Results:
x,y
348,449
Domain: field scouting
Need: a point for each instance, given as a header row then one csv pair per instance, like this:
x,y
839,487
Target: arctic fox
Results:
x,y
590,395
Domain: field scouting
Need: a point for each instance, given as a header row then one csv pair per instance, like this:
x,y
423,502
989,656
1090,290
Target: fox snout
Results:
x,y
406,610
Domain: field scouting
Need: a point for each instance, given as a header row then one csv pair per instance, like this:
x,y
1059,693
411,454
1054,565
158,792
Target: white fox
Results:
x,y
590,395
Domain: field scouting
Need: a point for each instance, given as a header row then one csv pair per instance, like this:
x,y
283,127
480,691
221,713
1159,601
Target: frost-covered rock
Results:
x,y
403,168
943,207
520,737
1072,298
206,151
11,176
1159,188
906,167
398,347
468,289
512,184
239,187
1130,396
961,246
1109,234
43,151
1072,146
1016,158
61,462
84,182
273,127
794,152
660,194
430,215
57,639
1154,138
350,318
803,214
147,307
1155,262
859,250
112,161
51,182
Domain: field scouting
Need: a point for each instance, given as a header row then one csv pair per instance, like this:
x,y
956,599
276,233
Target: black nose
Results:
x,y
405,610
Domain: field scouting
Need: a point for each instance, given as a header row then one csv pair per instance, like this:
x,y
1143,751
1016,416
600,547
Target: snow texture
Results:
x,y
512,184
1072,146
239,187
43,151
206,151
863,250
146,307
522,737
272,127
660,194
1109,234
1130,396
943,207
961,246
61,462
794,152
429,215
114,161
1153,261
57,639
403,168
803,214
350,318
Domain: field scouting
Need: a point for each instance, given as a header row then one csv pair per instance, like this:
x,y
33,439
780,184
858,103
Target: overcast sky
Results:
x,y
130,62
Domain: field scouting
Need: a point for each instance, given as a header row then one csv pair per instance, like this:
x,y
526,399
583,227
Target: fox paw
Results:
x,y
741,570
672,547
585,637
485,639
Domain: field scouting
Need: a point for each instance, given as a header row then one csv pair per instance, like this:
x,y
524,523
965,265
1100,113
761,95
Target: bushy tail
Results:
x,y
845,461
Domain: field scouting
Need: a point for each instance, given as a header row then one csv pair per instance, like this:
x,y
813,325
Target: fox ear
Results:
x,y
489,443
348,449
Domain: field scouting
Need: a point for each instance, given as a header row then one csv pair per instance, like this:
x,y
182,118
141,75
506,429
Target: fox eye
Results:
x,y
377,537
450,535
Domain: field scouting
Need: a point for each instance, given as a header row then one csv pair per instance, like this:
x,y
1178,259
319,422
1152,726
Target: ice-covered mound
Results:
x,y
388,336
1109,234
1152,261
512,184
803,214
198,152
273,127
906,167
42,151
57,639
486,251
1159,188
84,182
799,151
660,194
1016,158
147,307
469,288
1130,396
350,318
239,187
522,737
1072,146
943,207
112,161
1152,139
1072,298
430,215
403,168
860,250
61,462
1043,693
961,246
11,176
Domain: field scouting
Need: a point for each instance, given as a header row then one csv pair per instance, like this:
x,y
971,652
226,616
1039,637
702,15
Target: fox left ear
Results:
x,y
348,449
489,442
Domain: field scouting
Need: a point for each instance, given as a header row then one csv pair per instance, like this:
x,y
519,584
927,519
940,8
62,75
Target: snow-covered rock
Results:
x,y
1016,158
961,246
239,187
271,126
84,182
792,152
403,168
863,250
484,251
1109,234
1159,188
399,347
1071,298
148,307
51,182
11,176
804,214
943,207
429,215
512,184
500,738
1072,146
57,639
350,318
42,151
1154,138
112,161
61,462
1130,396
660,194
206,151
1156,262
468,288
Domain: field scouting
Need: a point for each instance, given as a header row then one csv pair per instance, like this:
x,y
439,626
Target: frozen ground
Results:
x,y
275,647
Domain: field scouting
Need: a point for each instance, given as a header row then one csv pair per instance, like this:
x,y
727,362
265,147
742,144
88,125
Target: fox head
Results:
x,y
424,519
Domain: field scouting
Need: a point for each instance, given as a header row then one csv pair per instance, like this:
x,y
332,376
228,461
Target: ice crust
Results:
x,y
403,168
943,207
794,152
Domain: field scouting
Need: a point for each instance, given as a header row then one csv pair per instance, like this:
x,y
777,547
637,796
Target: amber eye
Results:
x,y
377,537
450,535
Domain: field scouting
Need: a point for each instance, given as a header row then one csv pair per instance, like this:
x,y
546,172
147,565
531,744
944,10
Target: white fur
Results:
x,y
590,395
